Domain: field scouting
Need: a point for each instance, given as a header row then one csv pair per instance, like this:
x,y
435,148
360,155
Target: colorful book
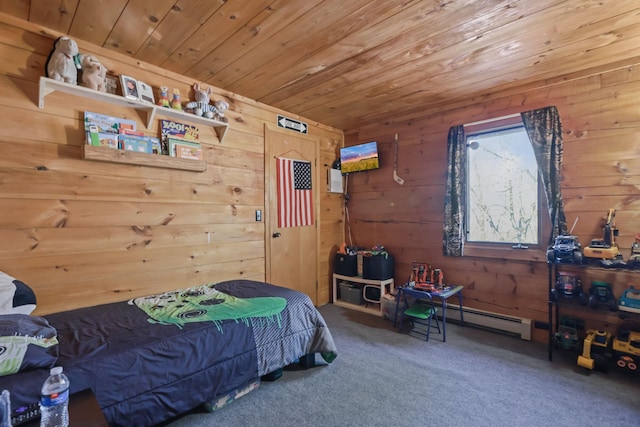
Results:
x,y
107,124
154,144
103,130
101,139
141,144
177,130
185,150
125,131
134,143
100,123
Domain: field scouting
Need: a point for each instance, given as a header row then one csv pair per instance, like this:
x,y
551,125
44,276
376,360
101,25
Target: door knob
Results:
x,y
276,234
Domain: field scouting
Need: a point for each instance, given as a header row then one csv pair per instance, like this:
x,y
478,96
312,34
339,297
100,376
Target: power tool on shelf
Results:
x,y
634,258
605,249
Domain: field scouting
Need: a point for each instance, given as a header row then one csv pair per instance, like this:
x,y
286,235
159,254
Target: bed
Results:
x,y
150,359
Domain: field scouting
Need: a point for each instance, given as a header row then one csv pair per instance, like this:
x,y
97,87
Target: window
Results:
x,y
503,187
502,204
544,131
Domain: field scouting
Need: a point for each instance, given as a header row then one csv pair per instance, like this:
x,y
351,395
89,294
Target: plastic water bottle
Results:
x,y
54,403
5,408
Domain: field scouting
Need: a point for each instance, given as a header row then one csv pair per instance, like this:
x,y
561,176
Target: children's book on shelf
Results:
x,y
177,130
154,143
107,124
101,139
131,132
184,149
133,143
103,130
141,144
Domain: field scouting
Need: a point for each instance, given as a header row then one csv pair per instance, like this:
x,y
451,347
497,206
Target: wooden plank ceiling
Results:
x,y
351,63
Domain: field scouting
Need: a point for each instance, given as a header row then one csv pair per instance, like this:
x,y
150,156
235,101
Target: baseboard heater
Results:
x,y
486,319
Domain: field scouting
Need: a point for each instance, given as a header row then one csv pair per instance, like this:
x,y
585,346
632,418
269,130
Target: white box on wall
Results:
x,y
334,181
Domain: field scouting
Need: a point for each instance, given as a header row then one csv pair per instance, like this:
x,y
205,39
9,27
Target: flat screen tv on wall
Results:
x,y
357,158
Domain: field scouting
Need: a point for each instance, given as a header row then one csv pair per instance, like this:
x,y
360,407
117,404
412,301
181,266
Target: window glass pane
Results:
x,y
502,188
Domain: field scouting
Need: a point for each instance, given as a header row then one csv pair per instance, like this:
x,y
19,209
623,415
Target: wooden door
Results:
x,y
291,252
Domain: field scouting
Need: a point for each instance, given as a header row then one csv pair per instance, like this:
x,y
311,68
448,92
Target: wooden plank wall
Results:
x,y
601,119
82,233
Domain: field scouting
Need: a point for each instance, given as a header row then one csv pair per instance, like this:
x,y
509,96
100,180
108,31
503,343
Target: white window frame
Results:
x,y
508,250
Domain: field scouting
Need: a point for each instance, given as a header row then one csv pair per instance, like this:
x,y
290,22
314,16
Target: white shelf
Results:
x,y
377,307
48,86
365,309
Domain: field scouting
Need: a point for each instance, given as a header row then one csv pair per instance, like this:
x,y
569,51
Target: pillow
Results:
x,y
26,342
15,296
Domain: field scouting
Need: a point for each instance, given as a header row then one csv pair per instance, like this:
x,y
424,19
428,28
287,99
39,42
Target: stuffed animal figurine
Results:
x,y
201,106
93,73
221,107
164,97
63,62
175,101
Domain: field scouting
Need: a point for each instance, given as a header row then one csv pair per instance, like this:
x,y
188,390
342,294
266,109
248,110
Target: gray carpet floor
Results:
x,y
477,378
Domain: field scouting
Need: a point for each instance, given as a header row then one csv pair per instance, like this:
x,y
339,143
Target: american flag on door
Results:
x,y
295,200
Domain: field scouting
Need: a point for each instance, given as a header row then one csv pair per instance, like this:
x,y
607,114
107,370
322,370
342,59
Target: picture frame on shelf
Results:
x,y
111,84
145,92
129,87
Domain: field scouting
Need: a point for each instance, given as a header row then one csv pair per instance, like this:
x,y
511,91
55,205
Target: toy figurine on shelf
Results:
x,y
175,102
163,100
201,106
94,74
630,300
634,258
221,107
603,347
63,62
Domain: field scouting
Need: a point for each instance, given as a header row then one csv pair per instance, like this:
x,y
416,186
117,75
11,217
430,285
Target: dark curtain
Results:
x,y
454,205
545,134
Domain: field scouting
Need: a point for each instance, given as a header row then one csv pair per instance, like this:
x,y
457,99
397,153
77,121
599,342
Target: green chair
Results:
x,y
421,312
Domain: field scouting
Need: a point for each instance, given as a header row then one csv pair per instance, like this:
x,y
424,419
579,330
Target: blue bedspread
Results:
x,y
150,359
